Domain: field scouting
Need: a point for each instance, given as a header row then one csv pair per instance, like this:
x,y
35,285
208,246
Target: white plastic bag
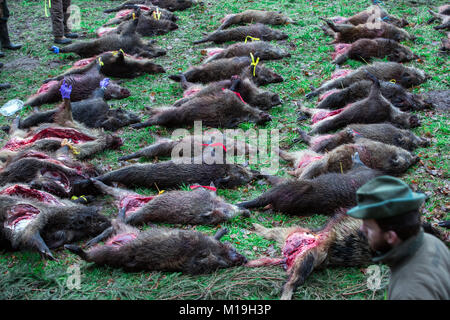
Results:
x,y
11,107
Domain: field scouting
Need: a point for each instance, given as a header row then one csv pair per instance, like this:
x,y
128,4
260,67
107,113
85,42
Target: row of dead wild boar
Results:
x,y
44,160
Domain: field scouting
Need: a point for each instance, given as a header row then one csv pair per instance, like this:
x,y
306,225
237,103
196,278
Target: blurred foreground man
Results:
x,y
419,262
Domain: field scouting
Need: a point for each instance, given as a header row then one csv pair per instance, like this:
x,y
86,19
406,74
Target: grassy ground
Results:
x,y
26,276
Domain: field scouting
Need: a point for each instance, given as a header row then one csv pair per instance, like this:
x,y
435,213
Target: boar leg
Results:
x,y
277,234
116,193
313,170
156,149
300,271
77,250
102,236
38,243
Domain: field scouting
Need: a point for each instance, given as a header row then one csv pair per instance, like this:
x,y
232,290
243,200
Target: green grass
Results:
x,y
25,276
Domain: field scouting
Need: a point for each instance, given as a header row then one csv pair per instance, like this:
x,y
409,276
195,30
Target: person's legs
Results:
x,y
4,36
58,18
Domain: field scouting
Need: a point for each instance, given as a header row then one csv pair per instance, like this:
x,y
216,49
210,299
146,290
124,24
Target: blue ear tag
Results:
x,y
55,49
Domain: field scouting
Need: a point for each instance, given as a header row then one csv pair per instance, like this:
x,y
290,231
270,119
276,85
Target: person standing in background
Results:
x,y
59,15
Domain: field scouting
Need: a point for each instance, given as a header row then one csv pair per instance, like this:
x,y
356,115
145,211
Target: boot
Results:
x,y
4,38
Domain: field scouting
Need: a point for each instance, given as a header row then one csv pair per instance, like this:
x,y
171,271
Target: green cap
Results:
x,y
385,197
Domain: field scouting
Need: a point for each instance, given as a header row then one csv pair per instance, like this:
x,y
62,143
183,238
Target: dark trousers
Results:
x,y
60,16
4,12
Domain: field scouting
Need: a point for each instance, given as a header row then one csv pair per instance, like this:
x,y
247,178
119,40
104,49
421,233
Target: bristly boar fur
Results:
x,y
381,132
257,30
199,206
321,195
83,86
406,76
386,158
33,225
148,26
348,33
169,174
93,113
261,49
128,40
395,93
339,243
220,110
249,92
161,249
116,64
224,69
373,109
255,16
366,49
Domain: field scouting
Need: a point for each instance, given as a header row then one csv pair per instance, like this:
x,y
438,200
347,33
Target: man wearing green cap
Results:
x,y
419,262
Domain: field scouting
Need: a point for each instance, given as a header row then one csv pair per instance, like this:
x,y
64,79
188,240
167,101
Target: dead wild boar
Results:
x,y
164,147
128,40
366,49
82,142
199,206
395,93
443,15
171,174
147,26
160,249
255,16
221,110
224,69
246,89
93,112
27,224
445,44
323,194
339,243
384,71
257,30
126,14
262,49
113,64
373,109
171,5
348,33
83,86
372,14
381,132
386,158
43,172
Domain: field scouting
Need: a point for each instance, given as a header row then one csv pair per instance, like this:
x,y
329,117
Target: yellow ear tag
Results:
x,y
254,63
100,62
157,14
253,39
393,81
122,51
134,16
115,53
68,143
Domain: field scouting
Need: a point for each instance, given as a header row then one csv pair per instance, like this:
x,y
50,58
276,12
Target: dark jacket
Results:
x,y
420,269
